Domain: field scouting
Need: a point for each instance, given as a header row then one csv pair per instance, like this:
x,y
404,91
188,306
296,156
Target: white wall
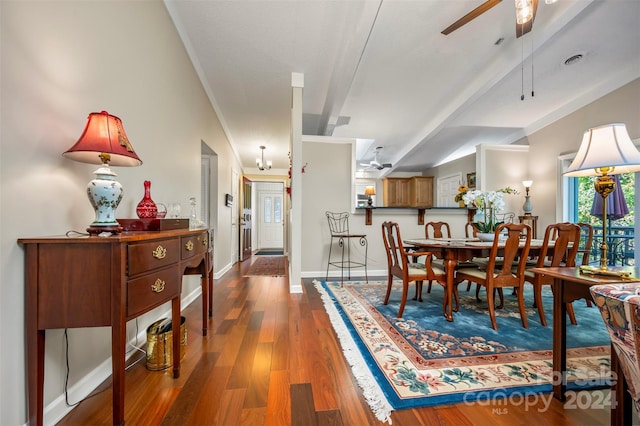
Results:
x,y
61,61
502,166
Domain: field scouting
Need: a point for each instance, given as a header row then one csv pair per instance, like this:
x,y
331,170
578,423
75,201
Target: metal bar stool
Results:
x,y
339,228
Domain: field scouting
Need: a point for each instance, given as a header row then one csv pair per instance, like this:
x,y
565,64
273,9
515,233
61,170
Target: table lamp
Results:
x,y
104,142
527,202
369,191
605,151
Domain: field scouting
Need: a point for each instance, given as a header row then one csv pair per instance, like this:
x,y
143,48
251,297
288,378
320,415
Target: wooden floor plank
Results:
x,y
184,404
302,411
259,381
279,399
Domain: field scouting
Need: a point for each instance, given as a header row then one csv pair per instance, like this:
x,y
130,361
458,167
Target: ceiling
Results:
x,y
381,71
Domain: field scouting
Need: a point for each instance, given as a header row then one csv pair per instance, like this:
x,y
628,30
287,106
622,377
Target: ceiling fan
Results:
x,y
375,164
529,7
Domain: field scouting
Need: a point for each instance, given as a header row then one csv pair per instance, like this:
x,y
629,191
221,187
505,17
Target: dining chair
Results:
x,y
561,253
513,251
436,230
586,241
400,265
470,230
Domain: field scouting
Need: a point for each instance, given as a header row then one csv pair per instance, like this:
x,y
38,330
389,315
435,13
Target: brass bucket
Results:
x,y
160,341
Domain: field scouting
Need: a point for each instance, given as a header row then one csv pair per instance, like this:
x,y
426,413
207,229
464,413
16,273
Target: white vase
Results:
x,y
485,236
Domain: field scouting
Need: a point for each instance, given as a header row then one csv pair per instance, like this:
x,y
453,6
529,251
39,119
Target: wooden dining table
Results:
x,y
455,250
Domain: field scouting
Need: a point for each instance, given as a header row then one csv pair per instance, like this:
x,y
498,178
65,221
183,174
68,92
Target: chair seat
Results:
x,y
419,268
473,272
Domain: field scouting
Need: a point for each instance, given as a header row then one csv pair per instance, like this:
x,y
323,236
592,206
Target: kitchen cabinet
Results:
x,y
415,191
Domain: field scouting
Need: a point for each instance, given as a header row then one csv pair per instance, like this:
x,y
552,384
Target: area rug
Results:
x,y
273,266
424,360
269,252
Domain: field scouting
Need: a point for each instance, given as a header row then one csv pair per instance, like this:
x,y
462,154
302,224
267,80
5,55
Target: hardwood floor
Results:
x,y
272,358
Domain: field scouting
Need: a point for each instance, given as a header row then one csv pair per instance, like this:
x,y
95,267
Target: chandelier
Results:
x,y
260,161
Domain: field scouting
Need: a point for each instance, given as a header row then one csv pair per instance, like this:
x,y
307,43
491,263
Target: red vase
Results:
x,y
147,209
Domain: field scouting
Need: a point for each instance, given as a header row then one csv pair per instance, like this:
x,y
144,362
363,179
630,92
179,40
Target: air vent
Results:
x,y
573,59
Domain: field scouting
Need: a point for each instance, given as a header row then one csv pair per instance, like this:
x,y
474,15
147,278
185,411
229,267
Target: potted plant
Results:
x,y
489,203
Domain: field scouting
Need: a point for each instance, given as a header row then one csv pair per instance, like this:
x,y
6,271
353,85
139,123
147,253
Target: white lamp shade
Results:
x,y
605,146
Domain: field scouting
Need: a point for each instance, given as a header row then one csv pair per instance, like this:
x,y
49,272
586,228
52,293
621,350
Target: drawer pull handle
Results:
x,y
158,286
204,242
160,252
189,245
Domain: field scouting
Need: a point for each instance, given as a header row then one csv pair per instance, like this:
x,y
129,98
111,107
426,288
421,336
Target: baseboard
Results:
x,y
57,409
355,274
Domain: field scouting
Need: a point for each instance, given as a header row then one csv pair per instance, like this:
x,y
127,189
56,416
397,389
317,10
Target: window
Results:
x,y
267,210
583,204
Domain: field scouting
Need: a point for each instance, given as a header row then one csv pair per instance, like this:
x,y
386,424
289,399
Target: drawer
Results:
x,y
151,255
193,245
152,290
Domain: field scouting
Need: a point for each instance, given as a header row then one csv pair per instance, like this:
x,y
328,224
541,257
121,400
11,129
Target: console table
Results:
x,y
569,285
106,281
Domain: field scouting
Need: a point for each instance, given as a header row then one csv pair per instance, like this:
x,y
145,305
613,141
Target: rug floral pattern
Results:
x,y
413,361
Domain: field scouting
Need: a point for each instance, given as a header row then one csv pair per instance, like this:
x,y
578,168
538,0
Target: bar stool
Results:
x,y
339,228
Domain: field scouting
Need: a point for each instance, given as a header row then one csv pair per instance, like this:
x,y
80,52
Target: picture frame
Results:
x,y
471,180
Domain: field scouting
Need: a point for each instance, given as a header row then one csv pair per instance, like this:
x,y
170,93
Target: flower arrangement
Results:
x,y
490,202
462,190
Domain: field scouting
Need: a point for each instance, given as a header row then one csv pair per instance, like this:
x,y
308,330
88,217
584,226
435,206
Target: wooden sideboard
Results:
x,y
107,281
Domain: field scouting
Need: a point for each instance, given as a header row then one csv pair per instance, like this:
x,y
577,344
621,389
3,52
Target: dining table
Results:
x,y
452,251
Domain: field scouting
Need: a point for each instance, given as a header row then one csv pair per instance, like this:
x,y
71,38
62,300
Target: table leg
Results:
x,y
559,340
204,283
210,274
35,370
118,344
450,267
175,326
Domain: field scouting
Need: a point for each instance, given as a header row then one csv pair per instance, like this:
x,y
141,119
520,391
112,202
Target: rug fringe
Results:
x,y
372,392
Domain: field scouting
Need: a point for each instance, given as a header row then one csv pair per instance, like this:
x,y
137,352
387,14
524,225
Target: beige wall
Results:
x,y
61,61
564,136
327,187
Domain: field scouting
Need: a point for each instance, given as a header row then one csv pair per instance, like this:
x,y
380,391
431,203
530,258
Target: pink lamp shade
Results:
x,y
104,142
103,134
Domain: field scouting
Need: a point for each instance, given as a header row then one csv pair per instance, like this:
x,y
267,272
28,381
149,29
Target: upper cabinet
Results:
x,y
416,191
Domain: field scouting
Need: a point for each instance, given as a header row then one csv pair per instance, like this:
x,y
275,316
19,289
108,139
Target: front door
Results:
x,y
246,223
271,228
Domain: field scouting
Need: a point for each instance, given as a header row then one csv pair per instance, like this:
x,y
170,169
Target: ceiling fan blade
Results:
x,y
384,166
471,16
522,29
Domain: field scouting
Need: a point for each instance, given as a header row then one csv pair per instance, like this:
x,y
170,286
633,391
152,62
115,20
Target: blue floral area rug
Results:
x,y
423,359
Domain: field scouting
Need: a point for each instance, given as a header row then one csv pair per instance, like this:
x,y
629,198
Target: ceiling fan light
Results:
x,y
524,11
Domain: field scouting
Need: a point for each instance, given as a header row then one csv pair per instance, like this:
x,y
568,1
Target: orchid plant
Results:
x,y
490,202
